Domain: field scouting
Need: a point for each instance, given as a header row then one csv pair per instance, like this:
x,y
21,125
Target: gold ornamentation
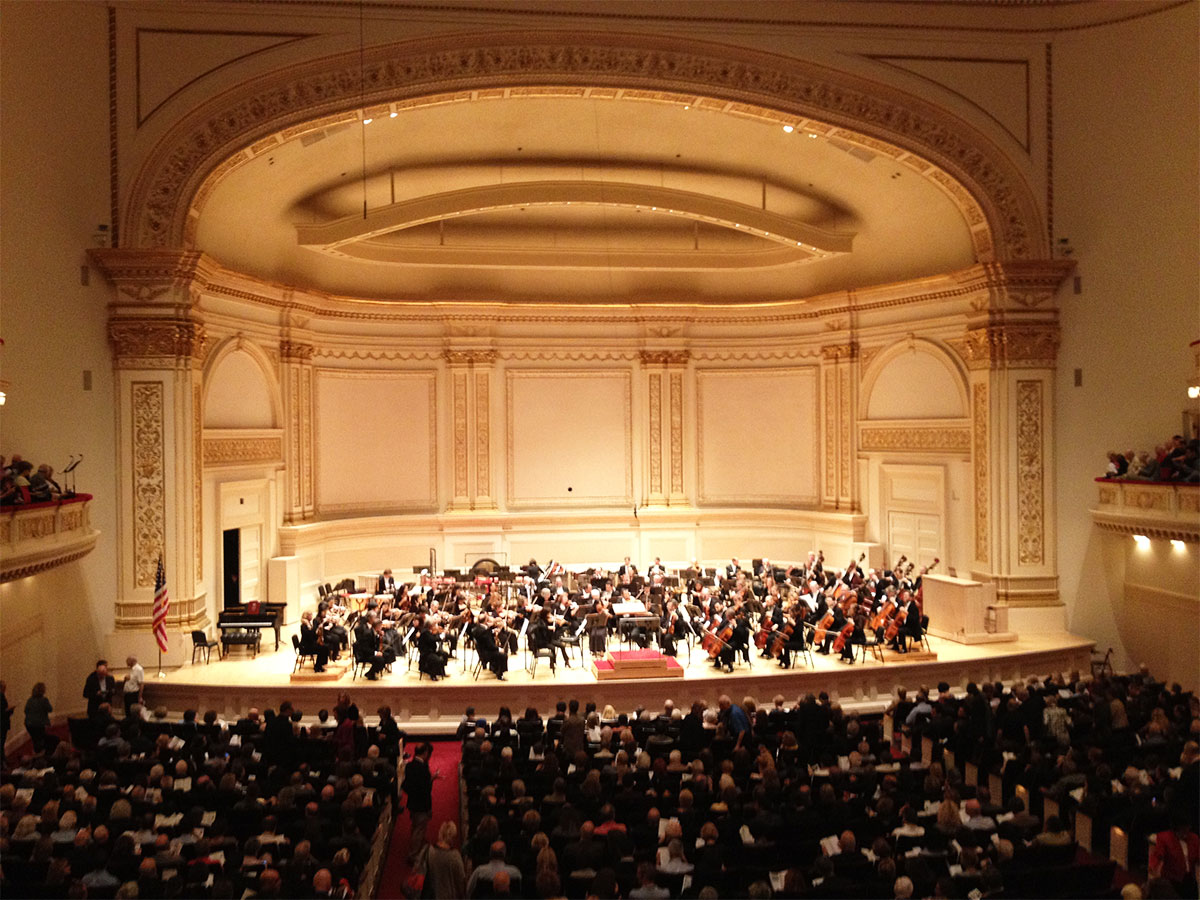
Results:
x,y
216,136
979,449
656,433
37,526
1014,346
1030,474
470,357
460,434
677,433
839,352
664,357
831,412
914,439
845,487
228,451
483,476
308,472
156,343
198,476
296,351
294,461
149,481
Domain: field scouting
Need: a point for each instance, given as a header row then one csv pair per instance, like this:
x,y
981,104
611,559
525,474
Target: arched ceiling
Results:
x,y
616,197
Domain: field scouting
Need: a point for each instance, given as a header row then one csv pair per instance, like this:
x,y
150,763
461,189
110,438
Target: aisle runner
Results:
x,y
445,759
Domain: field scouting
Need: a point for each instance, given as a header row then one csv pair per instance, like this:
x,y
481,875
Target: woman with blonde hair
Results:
x,y
445,874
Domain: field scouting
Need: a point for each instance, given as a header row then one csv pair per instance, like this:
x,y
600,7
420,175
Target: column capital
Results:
x,y
1015,286
152,277
1025,345
840,352
296,351
156,343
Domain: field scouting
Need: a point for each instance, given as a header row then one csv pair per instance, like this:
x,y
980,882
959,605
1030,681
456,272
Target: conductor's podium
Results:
x,y
636,664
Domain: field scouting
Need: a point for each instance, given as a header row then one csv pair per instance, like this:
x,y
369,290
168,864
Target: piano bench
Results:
x,y
251,638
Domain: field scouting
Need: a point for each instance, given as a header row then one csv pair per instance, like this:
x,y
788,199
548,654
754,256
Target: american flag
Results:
x,y
162,604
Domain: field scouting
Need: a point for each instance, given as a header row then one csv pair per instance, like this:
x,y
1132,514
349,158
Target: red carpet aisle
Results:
x,y
445,759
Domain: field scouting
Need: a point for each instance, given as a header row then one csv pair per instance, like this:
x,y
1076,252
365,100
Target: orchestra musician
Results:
x,y
626,571
796,641
598,635
489,653
368,649
386,584
733,569
312,642
329,620
910,630
668,622
541,636
431,659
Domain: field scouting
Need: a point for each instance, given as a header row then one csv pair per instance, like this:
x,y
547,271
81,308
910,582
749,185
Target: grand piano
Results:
x,y
241,624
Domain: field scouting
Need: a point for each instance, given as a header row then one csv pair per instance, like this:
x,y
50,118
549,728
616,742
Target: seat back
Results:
x,y
198,637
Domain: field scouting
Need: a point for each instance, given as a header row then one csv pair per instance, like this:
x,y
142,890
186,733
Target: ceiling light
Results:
x,y
789,128
813,136
368,121
1143,542
1178,546
1194,391
393,115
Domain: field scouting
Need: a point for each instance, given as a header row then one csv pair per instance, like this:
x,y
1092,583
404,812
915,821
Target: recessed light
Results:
x,y
813,136
789,128
393,115
368,121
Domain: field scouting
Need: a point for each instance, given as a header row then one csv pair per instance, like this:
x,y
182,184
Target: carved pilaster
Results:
x,y
1010,347
296,358
677,493
664,407
838,362
470,402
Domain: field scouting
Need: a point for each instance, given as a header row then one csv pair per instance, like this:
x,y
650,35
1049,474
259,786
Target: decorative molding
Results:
x,y
148,471
483,453
845,452
979,453
229,451
461,357
296,351
1030,474
918,439
198,478
755,354
830,427
664,357
839,352
676,434
376,355
655,386
1012,346
568,355
231,128
459,405
156,343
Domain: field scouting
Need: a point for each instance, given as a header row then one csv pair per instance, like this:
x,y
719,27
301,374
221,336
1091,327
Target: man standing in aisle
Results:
x,y
99,688
133,683
418,787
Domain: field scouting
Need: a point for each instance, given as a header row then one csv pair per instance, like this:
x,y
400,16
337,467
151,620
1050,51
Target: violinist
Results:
x,y
541,636
598,636
333,630
431,658
733,569
313,642
490,653
668,622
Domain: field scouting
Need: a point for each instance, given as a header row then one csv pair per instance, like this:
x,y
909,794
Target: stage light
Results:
x,y
1178,546
1143,542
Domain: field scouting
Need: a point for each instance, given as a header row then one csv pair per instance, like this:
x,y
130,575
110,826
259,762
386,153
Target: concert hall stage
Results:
x,y
232,685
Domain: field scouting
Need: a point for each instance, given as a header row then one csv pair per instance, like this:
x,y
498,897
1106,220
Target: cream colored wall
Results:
x,y
1127,190
54,189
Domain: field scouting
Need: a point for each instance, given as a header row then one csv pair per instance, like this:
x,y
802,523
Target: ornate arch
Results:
x,y
943,354
265,365
217,135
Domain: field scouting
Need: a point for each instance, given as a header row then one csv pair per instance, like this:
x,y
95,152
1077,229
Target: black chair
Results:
x,y
300,654
200,642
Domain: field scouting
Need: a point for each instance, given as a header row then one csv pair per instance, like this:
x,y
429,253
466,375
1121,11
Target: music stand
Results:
x,y
70,470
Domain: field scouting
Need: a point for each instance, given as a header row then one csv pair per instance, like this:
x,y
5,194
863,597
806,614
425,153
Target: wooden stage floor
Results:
x,y
239,682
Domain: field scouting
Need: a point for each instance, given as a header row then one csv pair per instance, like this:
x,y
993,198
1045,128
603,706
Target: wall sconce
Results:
x,y
1143,542
1178,546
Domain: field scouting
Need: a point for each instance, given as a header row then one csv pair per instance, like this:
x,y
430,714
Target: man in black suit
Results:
x,y
386,584
489,653
418,789
734,567
367,647
99,688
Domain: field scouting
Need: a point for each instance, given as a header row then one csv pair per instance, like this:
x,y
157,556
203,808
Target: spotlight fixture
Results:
x,y
1143,542
1178,546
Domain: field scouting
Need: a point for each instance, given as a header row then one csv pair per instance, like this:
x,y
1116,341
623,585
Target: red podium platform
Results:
x,y
636,664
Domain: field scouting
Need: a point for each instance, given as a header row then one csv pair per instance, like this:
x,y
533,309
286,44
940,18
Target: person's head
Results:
x,y
903,888
498,851
39,689
102,667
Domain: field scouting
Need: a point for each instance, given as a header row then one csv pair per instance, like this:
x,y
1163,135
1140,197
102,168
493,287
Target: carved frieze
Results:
x,y
839,352
1012,346
296,351
156,343
256,450
472,357
1030,474
913,439
148,480
664,357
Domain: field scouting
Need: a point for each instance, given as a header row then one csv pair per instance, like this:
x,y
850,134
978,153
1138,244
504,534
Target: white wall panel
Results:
x,y
758,431
376,437
569,439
